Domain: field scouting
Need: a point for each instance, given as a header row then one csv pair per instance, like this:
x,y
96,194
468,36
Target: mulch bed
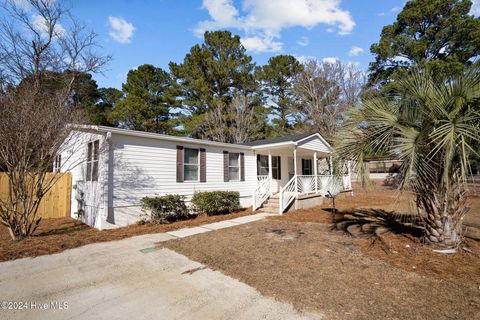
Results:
x,y
56,235
296,258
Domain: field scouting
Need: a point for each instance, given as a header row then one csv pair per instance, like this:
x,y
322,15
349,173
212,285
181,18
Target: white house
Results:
x,y
118,167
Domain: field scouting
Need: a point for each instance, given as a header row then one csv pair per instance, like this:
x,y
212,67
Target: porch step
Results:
x,y
271,205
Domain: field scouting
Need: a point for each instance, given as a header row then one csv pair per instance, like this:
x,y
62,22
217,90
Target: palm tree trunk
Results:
x,y
443,217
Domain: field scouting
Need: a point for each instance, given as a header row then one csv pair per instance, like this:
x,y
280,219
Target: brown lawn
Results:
x,y
56,235
296,258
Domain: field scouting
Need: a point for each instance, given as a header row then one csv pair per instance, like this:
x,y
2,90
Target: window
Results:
x,y
190,164
92,161
307,167
262,165
57,163
234,166
276,174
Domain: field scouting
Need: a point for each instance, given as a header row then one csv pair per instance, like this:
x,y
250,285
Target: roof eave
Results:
x,y
170,138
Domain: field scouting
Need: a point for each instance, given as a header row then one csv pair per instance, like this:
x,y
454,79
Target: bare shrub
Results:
x,y
42,49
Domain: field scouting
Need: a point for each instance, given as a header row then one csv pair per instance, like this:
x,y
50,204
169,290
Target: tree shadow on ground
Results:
x,y
64,229
375,222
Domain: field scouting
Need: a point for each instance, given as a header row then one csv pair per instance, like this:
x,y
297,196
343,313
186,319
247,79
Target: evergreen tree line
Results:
x,y
218,92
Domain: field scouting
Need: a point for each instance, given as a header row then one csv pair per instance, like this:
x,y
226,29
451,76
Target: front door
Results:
x,y
307,167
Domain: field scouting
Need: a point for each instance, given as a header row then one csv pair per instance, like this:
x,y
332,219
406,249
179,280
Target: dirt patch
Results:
x,y
298,259
329,272
56,235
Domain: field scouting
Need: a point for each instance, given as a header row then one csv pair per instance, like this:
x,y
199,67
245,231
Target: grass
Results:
x,y
296,258
56,235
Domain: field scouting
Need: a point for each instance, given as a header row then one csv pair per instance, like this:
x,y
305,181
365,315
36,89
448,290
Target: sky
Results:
x,y
136,32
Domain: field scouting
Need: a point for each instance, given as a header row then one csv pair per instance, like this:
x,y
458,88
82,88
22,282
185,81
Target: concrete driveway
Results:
x,y
116,280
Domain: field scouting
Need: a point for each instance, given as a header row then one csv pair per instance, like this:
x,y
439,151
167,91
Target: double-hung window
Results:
x,y
262,165
276,174
92,161
190,164
57,163
234,166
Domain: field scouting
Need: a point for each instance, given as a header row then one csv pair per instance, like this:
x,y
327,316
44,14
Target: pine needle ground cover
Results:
x,y
297,258
56,235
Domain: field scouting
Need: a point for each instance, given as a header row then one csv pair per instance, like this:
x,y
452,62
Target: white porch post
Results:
x,y
295,168
295,161
270,165
315,171
270,174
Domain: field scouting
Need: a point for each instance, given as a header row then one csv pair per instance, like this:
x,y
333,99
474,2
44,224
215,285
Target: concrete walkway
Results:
x,y
129,279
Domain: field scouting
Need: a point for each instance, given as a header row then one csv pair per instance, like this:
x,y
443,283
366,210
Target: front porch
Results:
x,y
291,169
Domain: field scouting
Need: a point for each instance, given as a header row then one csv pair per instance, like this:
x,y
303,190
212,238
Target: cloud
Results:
x,y
330,59
40,24
395,9
263,20
120,29
355,51
303,41
475,9
260,44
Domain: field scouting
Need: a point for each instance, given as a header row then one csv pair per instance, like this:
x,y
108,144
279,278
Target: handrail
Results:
x,y
262,191
287,194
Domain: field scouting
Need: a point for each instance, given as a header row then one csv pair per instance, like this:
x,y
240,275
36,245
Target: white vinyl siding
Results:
x,y
314,143
88,197
147,167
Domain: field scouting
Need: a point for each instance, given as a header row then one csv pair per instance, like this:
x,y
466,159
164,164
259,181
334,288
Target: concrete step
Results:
x,y
273,205
269,210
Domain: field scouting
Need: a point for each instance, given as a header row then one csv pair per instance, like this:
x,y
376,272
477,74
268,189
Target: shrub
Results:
x,y
169,208
216,202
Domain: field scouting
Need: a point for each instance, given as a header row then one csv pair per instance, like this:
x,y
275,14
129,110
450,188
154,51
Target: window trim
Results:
x,y
57,163
191,164
91,161
237,166
310,167
259,166
276,169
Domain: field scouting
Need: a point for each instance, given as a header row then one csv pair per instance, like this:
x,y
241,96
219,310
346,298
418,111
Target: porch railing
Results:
x,y
309,184
288,193
262,191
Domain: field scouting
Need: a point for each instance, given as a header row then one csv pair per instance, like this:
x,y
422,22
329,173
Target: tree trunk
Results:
x,y
443,217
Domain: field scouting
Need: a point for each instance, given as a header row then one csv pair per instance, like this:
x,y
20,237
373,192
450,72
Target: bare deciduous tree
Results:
x,y
38,39
326,90
236,123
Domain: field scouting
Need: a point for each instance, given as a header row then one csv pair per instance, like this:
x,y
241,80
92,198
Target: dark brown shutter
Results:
x,y
242,166
258,164
279,168
225,166
203,166
179,163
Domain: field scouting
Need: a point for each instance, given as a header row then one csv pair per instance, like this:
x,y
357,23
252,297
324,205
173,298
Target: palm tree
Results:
x,y
433,127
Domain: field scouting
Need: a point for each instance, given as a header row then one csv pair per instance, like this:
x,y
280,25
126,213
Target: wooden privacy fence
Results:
x,y
55,204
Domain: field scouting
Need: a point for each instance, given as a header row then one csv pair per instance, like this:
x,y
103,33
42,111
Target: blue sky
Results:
x,y
159,31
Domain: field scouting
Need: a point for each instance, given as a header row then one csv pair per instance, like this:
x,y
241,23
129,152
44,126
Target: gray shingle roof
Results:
x,y
293,138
